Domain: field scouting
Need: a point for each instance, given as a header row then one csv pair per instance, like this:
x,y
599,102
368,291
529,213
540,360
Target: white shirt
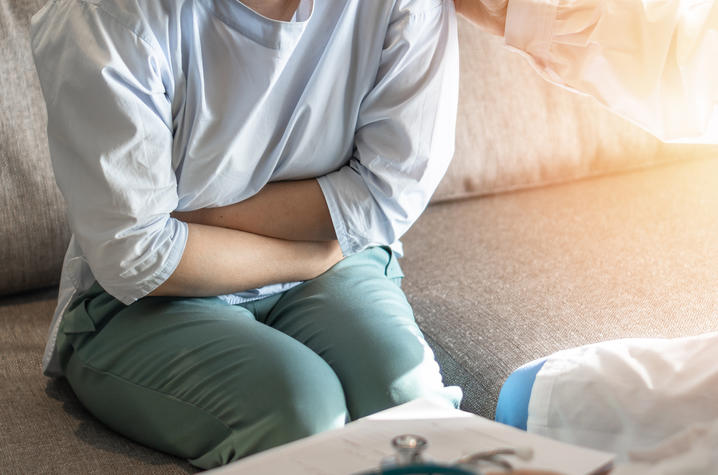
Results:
x,y
162,105
651,61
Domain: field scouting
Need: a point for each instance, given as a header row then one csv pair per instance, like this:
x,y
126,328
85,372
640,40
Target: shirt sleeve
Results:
x,y
405,131
110,137
652,62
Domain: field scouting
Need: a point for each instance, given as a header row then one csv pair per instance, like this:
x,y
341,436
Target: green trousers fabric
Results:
x,y
213,382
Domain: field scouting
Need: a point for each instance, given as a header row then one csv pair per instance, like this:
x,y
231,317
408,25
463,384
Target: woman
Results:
x,y
238,176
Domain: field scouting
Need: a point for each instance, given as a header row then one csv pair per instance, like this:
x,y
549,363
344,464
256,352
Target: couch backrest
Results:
x,y
33,233
514,131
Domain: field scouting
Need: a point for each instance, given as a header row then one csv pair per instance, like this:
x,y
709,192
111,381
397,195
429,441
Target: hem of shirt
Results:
x,y
50,363
170,265
347,245
235,299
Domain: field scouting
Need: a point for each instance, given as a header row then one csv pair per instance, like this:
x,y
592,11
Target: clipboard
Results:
x,y
360,446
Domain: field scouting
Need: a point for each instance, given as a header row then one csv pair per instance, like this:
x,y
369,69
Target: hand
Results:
x,y
490,15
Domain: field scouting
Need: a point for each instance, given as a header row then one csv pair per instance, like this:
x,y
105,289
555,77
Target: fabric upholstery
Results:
x,y
516,130
522,275
33,233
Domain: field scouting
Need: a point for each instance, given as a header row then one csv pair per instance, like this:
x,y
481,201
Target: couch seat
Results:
x,y
502,280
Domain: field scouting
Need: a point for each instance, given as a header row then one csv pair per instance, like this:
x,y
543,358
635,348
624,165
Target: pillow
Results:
x,y
33,233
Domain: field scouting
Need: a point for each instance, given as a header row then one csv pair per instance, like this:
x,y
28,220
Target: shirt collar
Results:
x,y
274,34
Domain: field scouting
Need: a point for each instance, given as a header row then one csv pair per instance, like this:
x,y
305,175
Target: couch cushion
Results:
x,y
44,427
515,130
502,280
33,233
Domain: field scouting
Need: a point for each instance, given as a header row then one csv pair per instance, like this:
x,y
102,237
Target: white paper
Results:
x,y
451,434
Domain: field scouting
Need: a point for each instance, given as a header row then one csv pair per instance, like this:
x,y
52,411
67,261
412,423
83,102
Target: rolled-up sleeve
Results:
x,y
404,139
652,62
110,137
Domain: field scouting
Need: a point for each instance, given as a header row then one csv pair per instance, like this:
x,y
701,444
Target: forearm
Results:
x,y
219,261
292,210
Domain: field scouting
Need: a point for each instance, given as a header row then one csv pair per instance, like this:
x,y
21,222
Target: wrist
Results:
x,y
325,254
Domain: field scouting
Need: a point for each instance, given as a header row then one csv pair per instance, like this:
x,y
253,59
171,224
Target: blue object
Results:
x,y
513,405
421,469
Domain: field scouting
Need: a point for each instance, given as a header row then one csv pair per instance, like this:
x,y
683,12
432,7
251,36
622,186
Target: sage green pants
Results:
x,y
213,382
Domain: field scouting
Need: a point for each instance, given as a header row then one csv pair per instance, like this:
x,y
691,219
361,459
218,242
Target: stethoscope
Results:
x,y
408,459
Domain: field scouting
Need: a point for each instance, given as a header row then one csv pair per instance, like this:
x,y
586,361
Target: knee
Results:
x,y
309,407
287,403
425,381
403,379
301,398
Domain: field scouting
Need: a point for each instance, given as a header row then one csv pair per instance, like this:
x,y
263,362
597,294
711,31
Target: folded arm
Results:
x,y
293,210
282,234
219,261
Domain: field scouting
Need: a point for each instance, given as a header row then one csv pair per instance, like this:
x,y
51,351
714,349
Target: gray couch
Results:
x,y
557,225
